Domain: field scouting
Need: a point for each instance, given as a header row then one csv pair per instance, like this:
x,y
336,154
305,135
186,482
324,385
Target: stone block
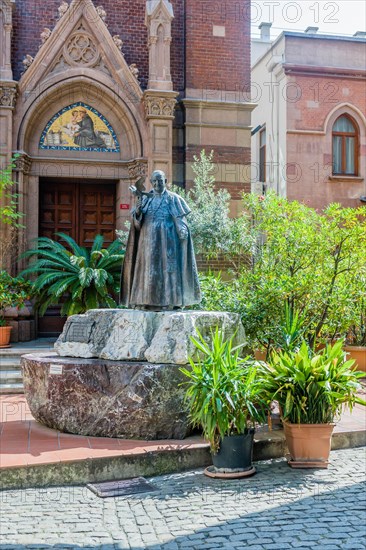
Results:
x,y
97,397
136,335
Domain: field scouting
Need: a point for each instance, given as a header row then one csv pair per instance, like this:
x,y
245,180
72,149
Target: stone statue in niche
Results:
x,y
159,270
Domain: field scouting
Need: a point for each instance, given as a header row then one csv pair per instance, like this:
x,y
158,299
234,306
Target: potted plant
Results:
x,y
311,391
356,330
14,292
225,399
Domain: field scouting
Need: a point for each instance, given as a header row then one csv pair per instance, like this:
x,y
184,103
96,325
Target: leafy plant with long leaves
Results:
x,y
311,389
223,395
86,279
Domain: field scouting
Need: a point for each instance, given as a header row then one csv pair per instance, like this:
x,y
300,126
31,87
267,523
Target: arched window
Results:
x,y
345,147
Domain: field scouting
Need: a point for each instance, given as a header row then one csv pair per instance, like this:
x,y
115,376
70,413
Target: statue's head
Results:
x,y
158,181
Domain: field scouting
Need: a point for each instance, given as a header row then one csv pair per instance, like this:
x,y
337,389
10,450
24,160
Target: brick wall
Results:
x,y
124,17
309,155
315,96
215,62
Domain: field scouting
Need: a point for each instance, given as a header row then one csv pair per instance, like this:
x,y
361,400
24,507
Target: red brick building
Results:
x,y
309,139
92,97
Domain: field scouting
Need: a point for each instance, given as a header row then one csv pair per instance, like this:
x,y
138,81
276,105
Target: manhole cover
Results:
x,y
121,488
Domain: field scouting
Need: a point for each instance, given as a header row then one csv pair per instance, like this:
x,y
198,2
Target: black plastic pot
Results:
x,y
235,452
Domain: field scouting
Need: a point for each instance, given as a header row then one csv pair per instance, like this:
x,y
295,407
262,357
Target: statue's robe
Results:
x,y
159,268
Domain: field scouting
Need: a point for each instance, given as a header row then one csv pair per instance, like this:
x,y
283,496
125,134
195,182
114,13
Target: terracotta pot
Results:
x,y
309,444
5,336
358,353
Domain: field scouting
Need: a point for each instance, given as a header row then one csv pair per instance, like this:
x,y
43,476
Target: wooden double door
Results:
x,y
80,209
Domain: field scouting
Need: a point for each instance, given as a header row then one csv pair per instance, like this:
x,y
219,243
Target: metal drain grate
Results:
x,y
121,488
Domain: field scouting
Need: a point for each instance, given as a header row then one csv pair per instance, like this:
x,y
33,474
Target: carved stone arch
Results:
x,y
126,117
33,113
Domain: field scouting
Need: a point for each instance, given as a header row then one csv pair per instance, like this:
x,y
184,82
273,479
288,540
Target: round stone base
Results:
x,y
96,397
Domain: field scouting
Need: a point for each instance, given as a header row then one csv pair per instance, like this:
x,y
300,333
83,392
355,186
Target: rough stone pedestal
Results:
x,y
130,334
133,400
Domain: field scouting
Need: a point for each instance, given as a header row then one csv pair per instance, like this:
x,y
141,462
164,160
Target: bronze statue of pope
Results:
x,y
159,270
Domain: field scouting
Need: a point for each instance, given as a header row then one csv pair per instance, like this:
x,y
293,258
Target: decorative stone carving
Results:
x,y
159,106
6,8
102,14
118,42
62,9
22,162
134,70
131,334
135,400
8,96
137,169
45,34
81,50
27,61
5,39
158,18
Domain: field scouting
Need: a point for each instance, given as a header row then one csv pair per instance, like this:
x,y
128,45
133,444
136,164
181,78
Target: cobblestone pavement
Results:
x,y
277,509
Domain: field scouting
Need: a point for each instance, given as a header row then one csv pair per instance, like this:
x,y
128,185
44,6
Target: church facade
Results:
x,y
92,97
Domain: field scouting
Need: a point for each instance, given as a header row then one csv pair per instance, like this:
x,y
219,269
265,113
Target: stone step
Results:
x,y
10,374
10,370
15,387
11,379
9,362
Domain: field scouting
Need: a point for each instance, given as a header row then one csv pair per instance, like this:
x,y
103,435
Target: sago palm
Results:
x,y
86,278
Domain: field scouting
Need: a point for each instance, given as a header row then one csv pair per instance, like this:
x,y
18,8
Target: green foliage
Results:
x,y
87,279
302,260
291,330
213,231
311,389
223,395
9,214
10,217
14,291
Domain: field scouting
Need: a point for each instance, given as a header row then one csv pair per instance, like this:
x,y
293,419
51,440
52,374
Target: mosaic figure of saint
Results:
x,y
85,136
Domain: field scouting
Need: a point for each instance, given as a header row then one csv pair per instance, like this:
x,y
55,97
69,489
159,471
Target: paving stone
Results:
x,y
274,510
